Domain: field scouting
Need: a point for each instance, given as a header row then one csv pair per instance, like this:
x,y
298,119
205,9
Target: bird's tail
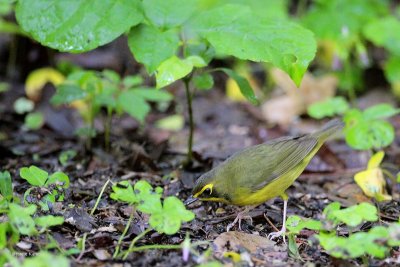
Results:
x,y
330,128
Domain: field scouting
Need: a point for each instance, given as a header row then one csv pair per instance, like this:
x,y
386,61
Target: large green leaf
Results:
x,y
134,105
169,13
151,46
77,25
235,30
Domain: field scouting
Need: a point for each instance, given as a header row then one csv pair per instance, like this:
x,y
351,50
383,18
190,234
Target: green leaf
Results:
x,y
355,215
123,191
21,219
203,81
134,105
59,178
293,249
151,46
34,120
8,237
78,25
6,189
67,93
385,32
149,200
49,221
171,70
328,108
202,50
131,81
243,84
169,13
392,69
235,30
295,224
380,111
46,259
168,220
34,175
66,156
151,94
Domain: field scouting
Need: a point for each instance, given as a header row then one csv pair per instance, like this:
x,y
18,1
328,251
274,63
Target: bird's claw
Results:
x,y
239,219
274,235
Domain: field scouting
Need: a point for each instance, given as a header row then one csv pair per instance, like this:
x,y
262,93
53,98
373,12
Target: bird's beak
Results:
x,y
190,200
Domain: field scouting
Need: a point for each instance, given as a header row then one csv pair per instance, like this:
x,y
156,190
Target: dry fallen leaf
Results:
x,y
284,108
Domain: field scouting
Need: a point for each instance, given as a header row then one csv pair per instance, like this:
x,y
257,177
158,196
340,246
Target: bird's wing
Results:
x,y
265,165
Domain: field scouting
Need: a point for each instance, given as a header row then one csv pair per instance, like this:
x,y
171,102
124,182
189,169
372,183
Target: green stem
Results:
x,y
99,197
154,247
142,234
189,96
123,235
107,129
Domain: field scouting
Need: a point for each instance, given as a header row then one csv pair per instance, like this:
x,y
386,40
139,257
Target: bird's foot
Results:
x,y
274,235
241,215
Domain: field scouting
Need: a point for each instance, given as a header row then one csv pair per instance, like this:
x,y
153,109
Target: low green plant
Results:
x,y
6,190
164,216
90,91
363,130
50,187
376,242
66,156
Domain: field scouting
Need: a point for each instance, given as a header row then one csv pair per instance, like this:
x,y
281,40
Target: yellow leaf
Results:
x,y
235,257
373,183
232,88
375,160
37,79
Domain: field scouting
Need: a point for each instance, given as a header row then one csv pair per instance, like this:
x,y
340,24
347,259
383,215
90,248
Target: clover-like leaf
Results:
x,y
355,215
149,200
169,219
295,224
380,111
49,221
328,108
59,178
34,175
123,191
21,218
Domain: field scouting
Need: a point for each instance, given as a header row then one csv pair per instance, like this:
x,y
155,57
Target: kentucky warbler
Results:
x,y
258,173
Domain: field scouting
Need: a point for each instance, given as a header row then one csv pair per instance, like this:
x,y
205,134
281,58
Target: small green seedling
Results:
x,y
164,216
51,188
6,190
89,91
66,156
377,242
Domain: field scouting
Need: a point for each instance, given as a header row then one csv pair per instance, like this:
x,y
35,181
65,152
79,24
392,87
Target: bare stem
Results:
x,y
189,96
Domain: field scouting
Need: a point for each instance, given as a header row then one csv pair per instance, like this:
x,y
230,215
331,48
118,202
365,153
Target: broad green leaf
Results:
x,y
356,214
169,219
196,61
169,13
151,46
269,9
171,70
235,30
6,189
134,105
243,84
123,191
21,219
67,93
49,221
59,178
380,111
34,120
392,69
46,259
150,94
34,175
131,81
295,224
385,32
328,108
149,199
203,81
77,25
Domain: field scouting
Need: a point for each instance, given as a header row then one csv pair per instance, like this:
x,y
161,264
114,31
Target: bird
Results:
x,y
259,173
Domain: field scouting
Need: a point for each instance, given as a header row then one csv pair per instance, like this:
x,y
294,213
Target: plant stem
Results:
x,y
99,197
123,235
189,96
107,129
154,247
131,246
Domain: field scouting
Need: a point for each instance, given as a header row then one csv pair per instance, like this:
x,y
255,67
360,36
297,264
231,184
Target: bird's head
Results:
x,y
209,187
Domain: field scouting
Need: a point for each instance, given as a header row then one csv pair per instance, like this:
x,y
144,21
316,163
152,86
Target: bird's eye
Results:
x,y
207,191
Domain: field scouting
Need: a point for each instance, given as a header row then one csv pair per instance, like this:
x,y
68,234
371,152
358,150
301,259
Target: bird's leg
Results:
x,y
283,230
241,215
